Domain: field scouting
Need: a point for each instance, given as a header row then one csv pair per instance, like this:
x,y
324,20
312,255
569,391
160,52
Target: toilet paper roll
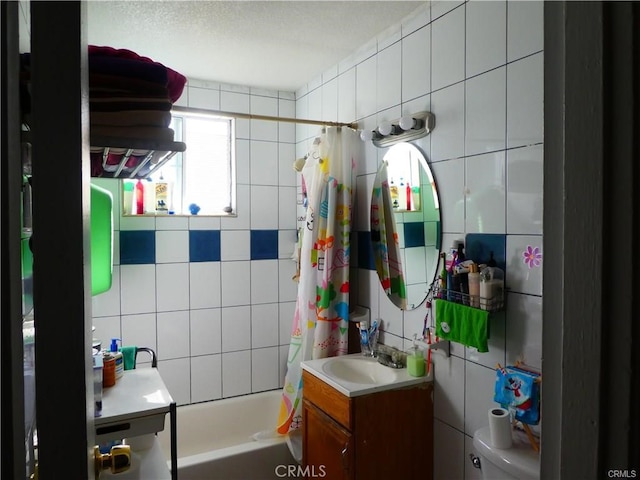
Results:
x,y
500,428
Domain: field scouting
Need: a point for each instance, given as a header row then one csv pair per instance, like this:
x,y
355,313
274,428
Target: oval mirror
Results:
x,y
405,226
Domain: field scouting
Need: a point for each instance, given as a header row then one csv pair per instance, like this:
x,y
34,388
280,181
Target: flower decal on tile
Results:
x,y
532,256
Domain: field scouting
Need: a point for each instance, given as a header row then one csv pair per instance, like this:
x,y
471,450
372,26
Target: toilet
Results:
x,y
520,462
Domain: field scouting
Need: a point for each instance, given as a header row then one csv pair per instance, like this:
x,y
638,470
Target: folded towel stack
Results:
x,y
130,96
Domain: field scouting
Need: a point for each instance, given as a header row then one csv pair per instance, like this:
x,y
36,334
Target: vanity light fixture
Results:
x,y
409,127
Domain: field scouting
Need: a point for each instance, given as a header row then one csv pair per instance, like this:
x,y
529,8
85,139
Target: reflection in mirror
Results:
x,y
405,226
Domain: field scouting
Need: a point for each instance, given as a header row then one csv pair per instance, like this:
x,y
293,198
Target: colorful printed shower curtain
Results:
x,y
321,316
384,238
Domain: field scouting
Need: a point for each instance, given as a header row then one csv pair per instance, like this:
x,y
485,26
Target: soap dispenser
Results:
x,y
415,360
113,351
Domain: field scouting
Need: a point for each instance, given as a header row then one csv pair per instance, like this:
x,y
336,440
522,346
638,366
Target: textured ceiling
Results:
x,y
278,45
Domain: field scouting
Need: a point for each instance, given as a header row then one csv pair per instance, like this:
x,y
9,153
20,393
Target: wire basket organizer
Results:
x,y
493,304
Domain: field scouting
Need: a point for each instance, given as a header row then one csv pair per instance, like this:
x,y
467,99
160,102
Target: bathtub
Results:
x,y
215,441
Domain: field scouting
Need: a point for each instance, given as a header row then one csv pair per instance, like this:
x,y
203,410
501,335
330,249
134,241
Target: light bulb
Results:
x,y
407,123
385,128
366,135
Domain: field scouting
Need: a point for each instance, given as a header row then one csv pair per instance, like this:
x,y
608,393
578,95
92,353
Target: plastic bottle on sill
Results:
x,y
127,198
150,197
415,198
162,196
402,195
393,189
139,210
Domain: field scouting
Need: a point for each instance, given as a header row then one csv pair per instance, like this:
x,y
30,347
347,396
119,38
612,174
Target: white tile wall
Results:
x,y
235,245
479,381
447,139
172,287
264,281
264,208
449,390
137,288
204,285
524,27
437,53
236,328
486,36
176,375
525,80
485,116
199,316
236,373
264,162
485,193
447,49
478,66
389,76
520,277
206,378
366,88
416,64
206,331
524,190
173,334
235,287
448,448
264,325
264,369
139,330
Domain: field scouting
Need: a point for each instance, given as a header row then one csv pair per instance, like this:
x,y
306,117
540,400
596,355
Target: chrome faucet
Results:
x,y
391,357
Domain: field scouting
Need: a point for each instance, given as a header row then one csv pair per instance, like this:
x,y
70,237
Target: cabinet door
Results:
x,y
328,448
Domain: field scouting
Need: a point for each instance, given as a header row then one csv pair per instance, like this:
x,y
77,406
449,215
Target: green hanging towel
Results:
x,y
129,356
462,324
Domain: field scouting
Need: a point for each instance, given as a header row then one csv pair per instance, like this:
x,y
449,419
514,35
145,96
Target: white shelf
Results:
x,y
137,404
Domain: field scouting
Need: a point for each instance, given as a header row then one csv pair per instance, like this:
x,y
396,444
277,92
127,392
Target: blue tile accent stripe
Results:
x,y
204,245
264,244
478,247
137,247
413,234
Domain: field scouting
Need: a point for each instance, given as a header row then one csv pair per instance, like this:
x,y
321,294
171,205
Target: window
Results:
x,y
200,180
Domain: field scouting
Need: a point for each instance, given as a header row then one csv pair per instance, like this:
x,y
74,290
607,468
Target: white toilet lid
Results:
x,y
520,461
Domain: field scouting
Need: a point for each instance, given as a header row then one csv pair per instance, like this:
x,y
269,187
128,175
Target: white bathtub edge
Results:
x,y
226,452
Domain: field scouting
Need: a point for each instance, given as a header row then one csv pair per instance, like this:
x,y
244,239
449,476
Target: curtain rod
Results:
x,y
252,116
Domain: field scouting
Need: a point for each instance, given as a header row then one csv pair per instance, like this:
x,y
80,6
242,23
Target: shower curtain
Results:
x,y
321,315
384,238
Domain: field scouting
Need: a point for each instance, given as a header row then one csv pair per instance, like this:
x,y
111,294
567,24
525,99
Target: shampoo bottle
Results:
x,y
474,286
119,361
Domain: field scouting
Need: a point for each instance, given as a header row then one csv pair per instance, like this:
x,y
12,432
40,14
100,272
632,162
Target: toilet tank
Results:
x,y
520,462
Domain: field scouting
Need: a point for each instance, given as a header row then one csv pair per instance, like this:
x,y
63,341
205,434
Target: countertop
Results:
x,y
398,378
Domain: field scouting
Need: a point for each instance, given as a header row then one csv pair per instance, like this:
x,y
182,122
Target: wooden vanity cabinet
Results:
x,y
380,435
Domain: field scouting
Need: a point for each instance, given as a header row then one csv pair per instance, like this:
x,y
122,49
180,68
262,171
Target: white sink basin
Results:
x,y
354,375
359,370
